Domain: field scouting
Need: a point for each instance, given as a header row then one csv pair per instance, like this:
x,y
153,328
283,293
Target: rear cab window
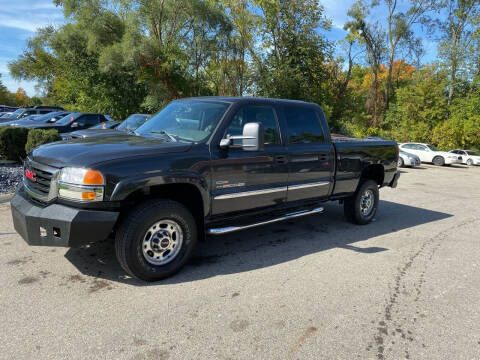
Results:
x,y
303,125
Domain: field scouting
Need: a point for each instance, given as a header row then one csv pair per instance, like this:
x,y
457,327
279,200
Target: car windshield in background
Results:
x,y
473,153
133,122
45,117
189,120
66,119
17,113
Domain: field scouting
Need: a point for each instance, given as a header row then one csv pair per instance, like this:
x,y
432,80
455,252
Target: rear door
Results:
x,y
244,180
310,154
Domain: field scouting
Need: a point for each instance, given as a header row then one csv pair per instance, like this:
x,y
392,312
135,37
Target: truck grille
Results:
x,y
37,178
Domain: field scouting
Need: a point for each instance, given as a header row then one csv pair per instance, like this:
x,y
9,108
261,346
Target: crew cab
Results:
x,y
200,166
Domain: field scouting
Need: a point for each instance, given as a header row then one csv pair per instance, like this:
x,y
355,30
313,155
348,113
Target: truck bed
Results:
x,y
353,155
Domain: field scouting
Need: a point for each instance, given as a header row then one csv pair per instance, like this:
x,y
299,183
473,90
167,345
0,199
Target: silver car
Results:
x,y
407,159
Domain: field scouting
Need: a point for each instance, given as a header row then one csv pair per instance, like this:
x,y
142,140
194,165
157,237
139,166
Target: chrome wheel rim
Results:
x,y
367,201
162,242
399,162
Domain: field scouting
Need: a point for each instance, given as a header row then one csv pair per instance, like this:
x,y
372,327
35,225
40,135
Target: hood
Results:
x,y
89,151
93,133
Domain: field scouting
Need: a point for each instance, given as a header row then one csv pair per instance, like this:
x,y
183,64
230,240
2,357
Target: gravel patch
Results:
x,y
10,177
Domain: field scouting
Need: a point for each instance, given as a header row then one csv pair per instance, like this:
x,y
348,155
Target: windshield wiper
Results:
x,y
162,132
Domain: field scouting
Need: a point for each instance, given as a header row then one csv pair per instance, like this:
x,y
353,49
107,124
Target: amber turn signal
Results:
x,y
89,196
93,177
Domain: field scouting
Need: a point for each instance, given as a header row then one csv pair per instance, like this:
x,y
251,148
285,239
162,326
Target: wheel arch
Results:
x,y
375,172
192,194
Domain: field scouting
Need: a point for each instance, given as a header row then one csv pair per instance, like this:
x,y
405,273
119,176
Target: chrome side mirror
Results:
x,y
252,138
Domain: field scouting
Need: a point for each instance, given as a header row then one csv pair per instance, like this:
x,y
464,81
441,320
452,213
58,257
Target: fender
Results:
x,y
128,186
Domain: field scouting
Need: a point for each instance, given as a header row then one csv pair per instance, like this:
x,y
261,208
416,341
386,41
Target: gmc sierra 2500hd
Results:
x,y
200,166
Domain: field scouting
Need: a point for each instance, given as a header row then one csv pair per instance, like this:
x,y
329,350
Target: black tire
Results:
x,y
469,162
400,162
352,206
130,235
438,161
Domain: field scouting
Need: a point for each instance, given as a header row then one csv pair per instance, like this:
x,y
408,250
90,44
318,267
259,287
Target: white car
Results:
x,y
407,159
469,157
430,154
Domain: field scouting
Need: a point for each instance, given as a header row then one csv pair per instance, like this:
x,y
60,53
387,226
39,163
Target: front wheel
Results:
x,y
438,161
155,239
361,207
469,162
400,162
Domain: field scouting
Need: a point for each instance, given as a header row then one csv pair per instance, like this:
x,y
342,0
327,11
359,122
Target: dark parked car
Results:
x,y
97,130
128,125
6,108
74,121
200,166
37,120
23,112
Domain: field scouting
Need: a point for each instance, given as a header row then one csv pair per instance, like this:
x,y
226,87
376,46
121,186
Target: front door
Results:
x,y
243,180
311,155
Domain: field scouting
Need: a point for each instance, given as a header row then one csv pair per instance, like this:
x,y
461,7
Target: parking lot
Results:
x,y
405,286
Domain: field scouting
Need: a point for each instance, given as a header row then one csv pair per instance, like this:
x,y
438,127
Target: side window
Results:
x,y
88,120
44,111
303,126
421,147
256,113
409,146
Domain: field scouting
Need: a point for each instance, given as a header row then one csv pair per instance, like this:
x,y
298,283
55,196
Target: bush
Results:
x,y
12,143
37,137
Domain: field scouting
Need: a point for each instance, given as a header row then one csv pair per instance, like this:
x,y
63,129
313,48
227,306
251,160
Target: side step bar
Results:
x,y
229,229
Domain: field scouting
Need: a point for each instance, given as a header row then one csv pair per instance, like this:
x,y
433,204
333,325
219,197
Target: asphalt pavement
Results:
x,y
406,286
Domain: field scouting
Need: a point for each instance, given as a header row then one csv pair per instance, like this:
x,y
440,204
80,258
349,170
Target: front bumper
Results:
x,y
411,162
59,225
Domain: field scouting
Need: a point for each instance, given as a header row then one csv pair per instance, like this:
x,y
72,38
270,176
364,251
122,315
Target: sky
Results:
x,y
20,18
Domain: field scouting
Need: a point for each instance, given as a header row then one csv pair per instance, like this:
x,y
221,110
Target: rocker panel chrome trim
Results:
x,y
229,229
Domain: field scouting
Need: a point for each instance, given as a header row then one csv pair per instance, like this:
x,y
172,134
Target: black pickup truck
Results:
x,y
200,166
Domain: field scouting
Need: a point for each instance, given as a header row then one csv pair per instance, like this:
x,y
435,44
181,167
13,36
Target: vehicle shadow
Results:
x,y
265,246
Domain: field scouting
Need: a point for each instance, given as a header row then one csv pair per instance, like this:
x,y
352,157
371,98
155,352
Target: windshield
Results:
x,y
189,120
16,114
473,153
133,122
433,148
65,120
53,116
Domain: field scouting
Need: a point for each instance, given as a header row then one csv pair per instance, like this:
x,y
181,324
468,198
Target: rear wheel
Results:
x,y
361,207
469,162
400,162
438,161
155,239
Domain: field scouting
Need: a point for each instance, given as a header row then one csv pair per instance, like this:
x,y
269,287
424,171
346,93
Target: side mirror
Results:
x,y
252,138
74,125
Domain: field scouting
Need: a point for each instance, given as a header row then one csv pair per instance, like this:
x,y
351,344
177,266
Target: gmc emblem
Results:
x,y
30,174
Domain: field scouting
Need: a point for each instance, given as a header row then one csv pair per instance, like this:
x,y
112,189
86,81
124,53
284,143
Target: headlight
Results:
x,y
80,184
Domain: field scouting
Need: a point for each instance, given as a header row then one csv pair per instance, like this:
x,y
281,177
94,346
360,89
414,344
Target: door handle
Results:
x,y
281,159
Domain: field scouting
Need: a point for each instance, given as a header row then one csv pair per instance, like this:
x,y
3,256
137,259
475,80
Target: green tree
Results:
x,y
459,31
294,64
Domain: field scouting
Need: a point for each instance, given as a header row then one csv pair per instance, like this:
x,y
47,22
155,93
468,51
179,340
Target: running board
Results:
x,y
229,229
